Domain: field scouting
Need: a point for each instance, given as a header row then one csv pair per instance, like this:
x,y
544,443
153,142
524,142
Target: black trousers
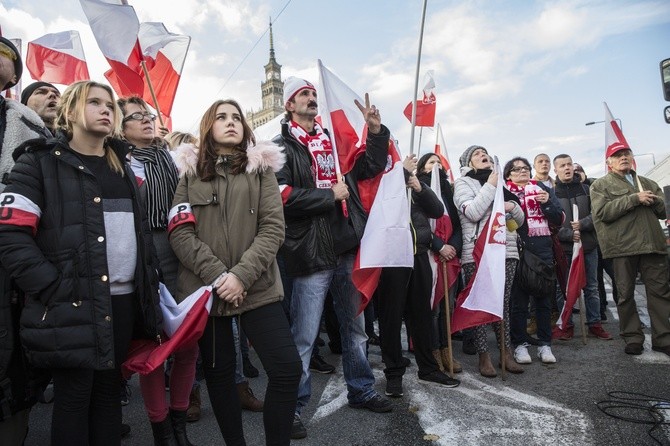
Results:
x,y
87,407
268,330
399,288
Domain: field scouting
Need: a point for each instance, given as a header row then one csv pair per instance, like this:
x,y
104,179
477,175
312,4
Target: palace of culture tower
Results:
x,y
272,91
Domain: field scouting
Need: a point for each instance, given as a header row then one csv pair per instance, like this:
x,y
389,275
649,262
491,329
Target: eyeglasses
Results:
x,y
521,169
139,116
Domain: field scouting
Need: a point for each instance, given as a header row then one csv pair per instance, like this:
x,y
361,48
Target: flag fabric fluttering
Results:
x,y
482,300
183,323
115,27
425,108
443,229
440,146
387,239
576,279
57,58
614,139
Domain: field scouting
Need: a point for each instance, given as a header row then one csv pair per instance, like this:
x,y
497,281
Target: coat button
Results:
x,y
76,304
81,167
57,152
101,239
107,318
104,278
96,200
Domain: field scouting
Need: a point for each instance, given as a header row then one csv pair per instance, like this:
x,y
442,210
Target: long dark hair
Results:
x,y
207,155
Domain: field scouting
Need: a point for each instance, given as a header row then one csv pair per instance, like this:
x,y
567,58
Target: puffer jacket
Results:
x,y
474,202
569,194
316,229
233,224
624,226
51,223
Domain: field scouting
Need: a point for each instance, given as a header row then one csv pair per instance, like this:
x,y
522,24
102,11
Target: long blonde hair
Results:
x,y
71,107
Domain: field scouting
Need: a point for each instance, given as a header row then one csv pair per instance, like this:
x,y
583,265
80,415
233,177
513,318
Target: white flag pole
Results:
x,y
416,79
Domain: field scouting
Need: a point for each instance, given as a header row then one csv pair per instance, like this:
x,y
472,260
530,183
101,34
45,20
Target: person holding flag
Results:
x,y
321,238
541,209
474,194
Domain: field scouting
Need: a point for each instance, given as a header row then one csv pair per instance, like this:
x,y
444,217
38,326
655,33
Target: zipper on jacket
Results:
x,y
45,313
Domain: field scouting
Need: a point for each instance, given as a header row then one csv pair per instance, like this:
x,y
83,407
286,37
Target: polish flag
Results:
x,y
443,229
481,302
387,240
425,108
115,28
614,139
183,323
444,159
57,58
576,279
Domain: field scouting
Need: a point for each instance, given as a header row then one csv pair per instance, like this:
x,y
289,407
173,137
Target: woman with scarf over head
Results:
x,y
474,193
157,177
76,239
226,226
541,208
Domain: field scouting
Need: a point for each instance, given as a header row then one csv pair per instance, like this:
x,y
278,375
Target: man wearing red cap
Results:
x,y
321,241
626,209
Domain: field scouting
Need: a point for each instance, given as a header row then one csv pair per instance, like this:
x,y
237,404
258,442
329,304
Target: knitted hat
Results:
x,y
465,157
292,85
30,89
18,64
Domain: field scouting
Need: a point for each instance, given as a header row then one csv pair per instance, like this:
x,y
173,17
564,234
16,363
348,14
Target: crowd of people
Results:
x,y
98,205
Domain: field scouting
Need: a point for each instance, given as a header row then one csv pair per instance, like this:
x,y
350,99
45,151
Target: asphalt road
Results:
x,y
546,405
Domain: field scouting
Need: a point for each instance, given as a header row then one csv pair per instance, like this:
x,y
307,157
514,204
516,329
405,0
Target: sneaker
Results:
x,y
599,332
125,393
319,365
394,386
248,368
521,355
563,334
298,430
545,355
377,404
440,378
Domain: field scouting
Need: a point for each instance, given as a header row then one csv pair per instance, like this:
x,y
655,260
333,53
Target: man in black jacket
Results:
x,y
321,240
570,191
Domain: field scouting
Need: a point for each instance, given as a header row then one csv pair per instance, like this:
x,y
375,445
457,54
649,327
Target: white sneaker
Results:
x,y
521,355
545,355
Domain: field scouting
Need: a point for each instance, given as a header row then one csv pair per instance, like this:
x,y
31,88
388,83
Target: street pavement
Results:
x,y
547,405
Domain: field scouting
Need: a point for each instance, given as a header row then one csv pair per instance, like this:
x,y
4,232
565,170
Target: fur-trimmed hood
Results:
x,y
264,155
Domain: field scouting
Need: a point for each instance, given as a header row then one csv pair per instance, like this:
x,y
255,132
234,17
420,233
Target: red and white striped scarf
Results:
x,y
321,150
537,222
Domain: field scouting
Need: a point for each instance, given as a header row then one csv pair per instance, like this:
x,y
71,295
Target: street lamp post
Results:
x,y
653,158
601,122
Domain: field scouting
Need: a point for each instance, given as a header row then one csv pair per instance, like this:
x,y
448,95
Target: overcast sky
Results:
x,y
519,78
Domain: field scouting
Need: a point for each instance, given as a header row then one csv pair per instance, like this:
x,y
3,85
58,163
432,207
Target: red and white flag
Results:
x,y
481,302
183,323
443,229
425,108
576,279
614,139
57,58
387,241
441,146
115,27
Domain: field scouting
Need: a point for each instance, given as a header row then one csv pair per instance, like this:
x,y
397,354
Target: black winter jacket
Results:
x,y
425,205
59,261
456,239
577,193
316,229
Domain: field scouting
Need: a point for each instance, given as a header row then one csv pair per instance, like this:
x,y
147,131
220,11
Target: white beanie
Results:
x,y
292,85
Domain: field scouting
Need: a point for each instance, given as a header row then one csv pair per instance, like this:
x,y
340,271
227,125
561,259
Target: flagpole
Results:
x,y
418,149
153,93
503,364
447,317
582,310
416,79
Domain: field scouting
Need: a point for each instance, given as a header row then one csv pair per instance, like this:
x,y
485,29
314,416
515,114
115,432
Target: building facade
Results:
x,y
272,92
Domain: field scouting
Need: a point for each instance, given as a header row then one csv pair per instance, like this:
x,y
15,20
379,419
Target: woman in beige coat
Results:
x,y
226,227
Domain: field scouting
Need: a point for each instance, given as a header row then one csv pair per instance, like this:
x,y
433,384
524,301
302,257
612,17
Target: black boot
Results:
x,y
164,433
179,427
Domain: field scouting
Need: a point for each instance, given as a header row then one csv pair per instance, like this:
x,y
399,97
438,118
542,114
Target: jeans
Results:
x,y
519,308
591,295
307,301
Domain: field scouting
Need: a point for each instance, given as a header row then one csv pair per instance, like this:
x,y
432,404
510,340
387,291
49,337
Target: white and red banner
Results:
x,y
482,300
387,241
57,58
614,139
576,279
425,108
115,27
441,146
443,229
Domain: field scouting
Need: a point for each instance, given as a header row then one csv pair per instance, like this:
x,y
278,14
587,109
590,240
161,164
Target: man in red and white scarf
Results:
x,y
321,238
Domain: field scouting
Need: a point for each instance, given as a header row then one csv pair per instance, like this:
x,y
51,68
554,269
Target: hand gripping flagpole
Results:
x,y
329,124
